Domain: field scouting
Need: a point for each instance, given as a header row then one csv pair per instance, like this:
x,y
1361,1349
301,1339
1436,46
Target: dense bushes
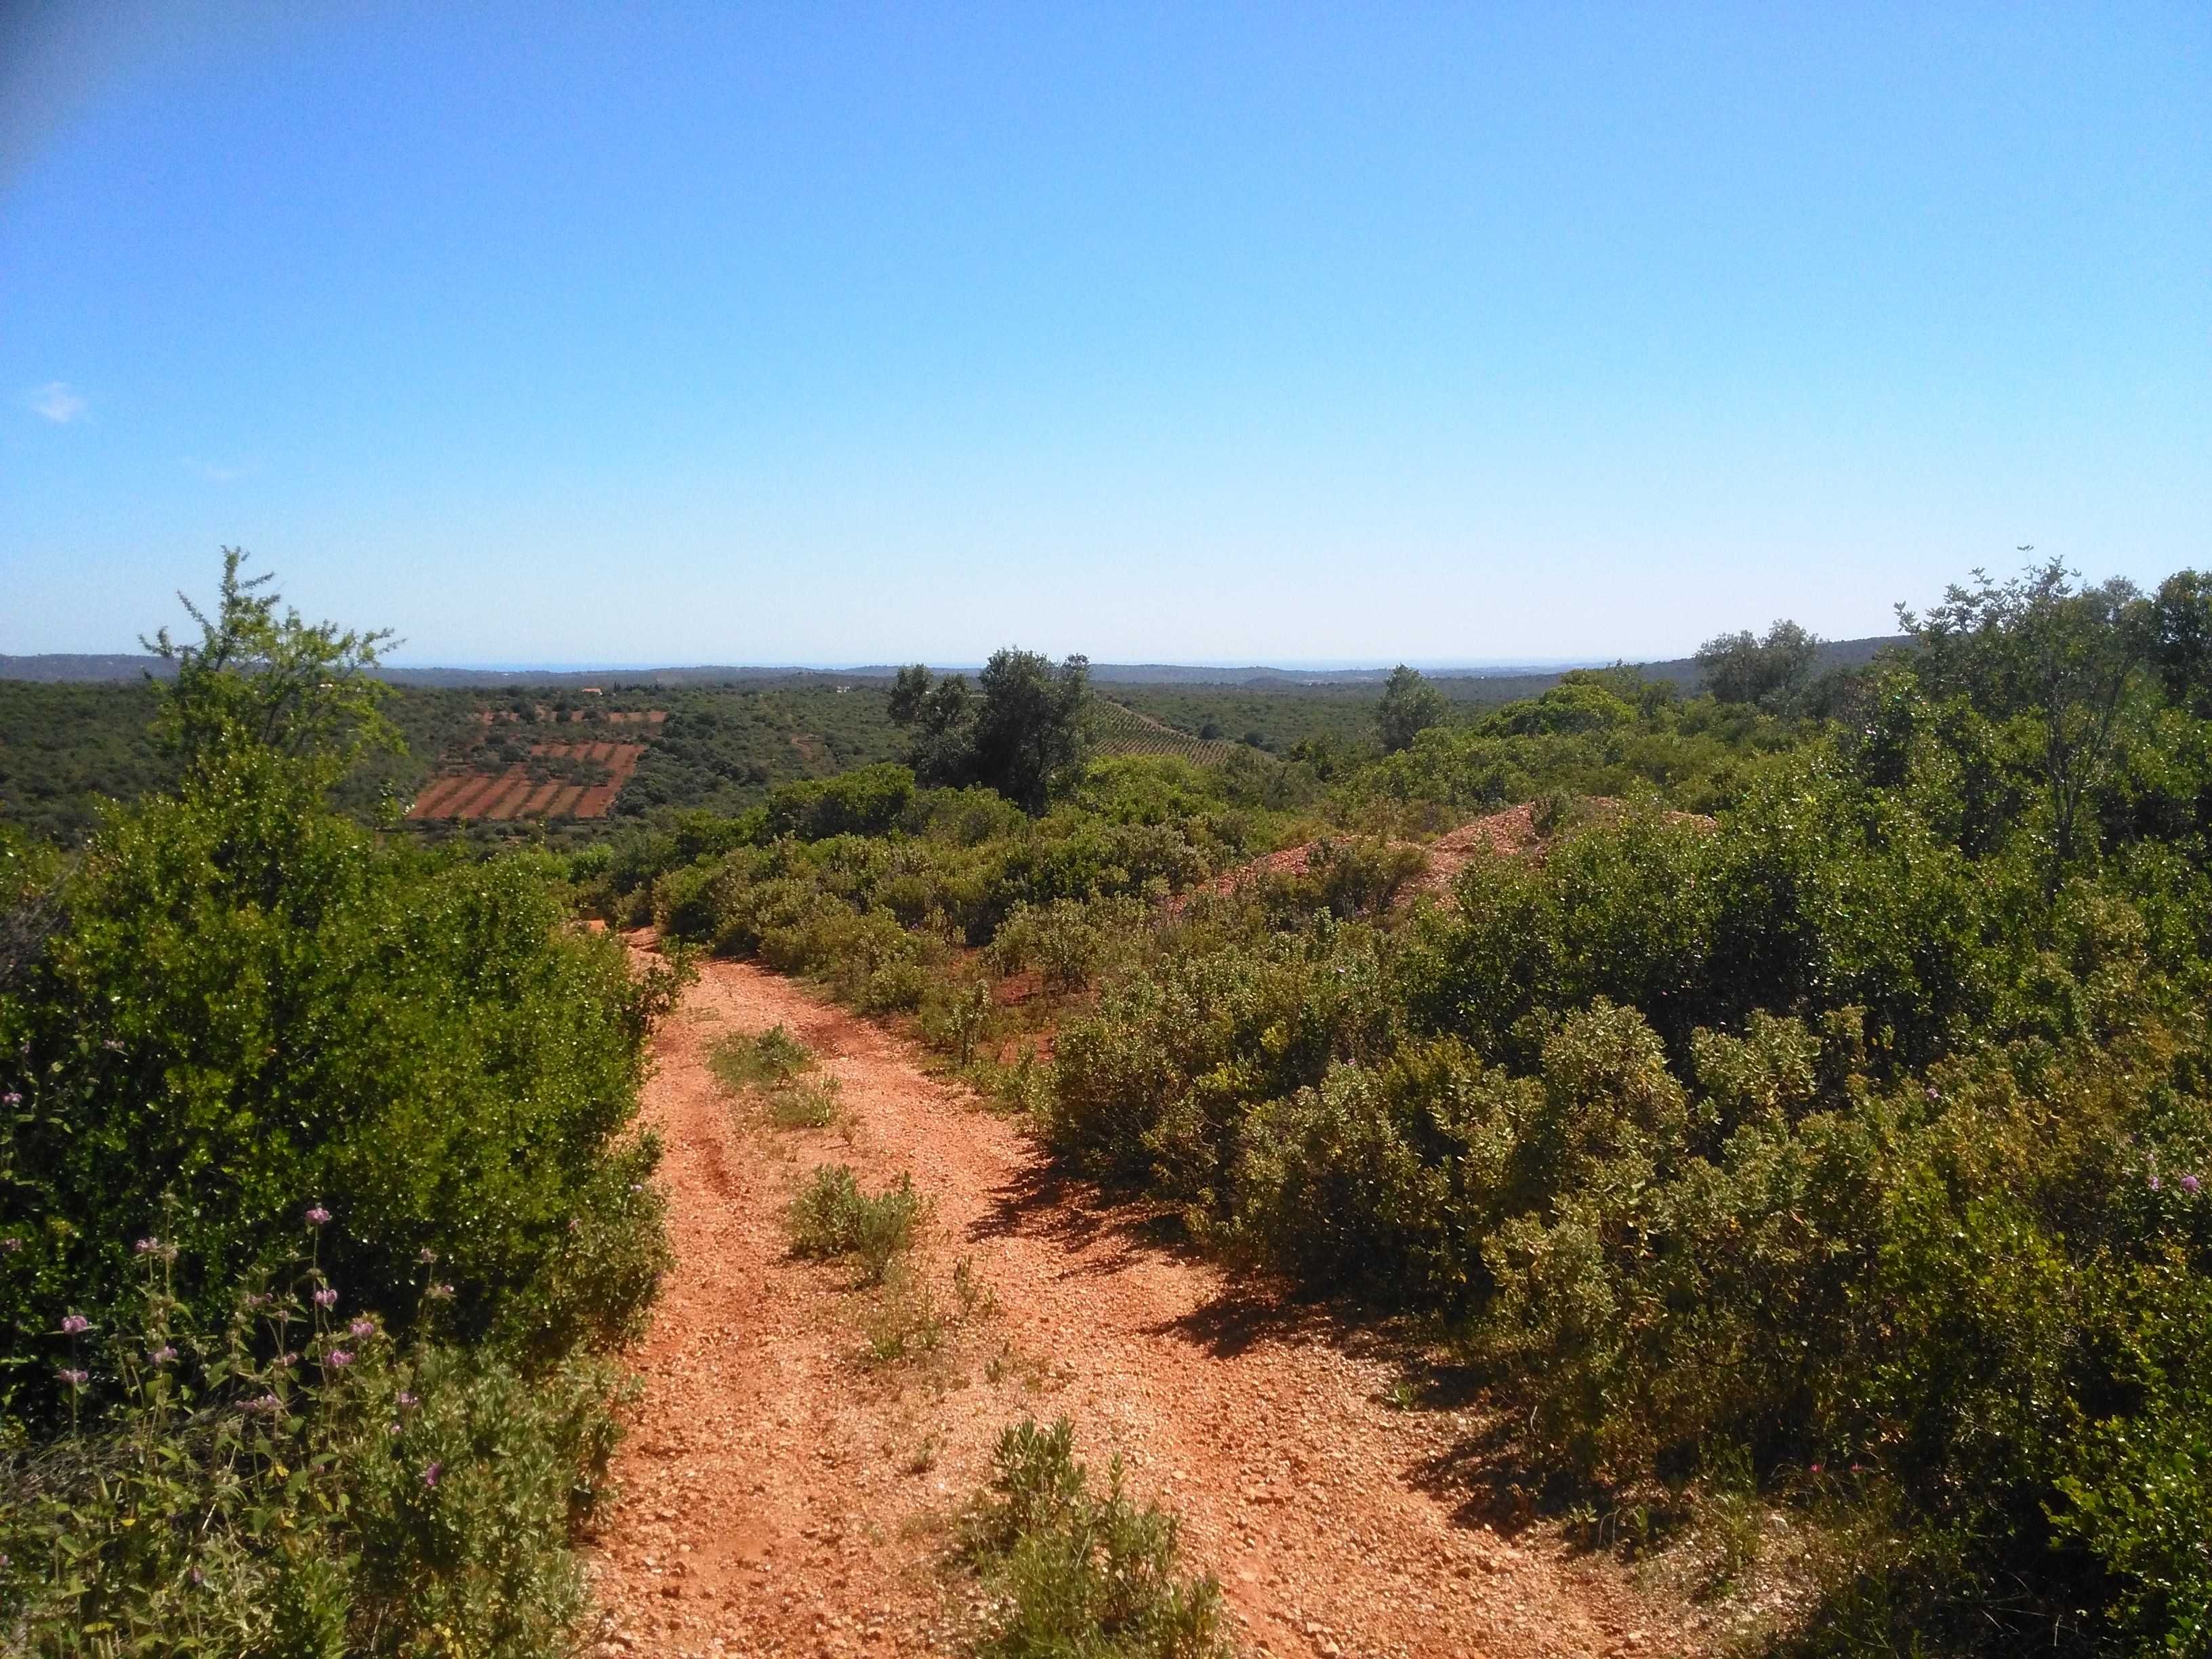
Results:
x,y
238,1015
877,915
1817,1135
297,1482
1850,1149
254,1007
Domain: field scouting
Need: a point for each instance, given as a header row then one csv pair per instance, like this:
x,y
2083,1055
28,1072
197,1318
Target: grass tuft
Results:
x,y
803,1103
755,1060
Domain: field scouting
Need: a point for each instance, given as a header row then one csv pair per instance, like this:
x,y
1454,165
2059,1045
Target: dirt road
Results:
x,y
784,1492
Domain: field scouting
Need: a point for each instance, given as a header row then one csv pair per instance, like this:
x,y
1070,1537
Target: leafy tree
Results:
x,y
2041,649
2181,642
1772,673
259,681
1029,728
910,688
1410,706
1020,727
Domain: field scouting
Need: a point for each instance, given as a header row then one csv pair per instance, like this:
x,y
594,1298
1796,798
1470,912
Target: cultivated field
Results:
x,y
1120,730
559,780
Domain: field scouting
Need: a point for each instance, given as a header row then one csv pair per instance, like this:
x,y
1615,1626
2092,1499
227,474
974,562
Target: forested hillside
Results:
x,y
78,734
66,746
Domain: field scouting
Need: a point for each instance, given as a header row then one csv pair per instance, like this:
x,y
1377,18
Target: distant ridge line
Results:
x,y
123,666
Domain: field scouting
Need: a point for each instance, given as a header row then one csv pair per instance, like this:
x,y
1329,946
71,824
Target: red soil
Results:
x,y
1511,833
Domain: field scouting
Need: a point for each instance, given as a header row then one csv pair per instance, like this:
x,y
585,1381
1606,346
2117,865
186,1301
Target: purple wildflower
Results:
x,y
327,1297
11,1098
147,1246
2156,1184
318,1216
443,1292
197,1577
406,1400
336,1359
74,1325
267,1402
430,1475
362,1329
73,1377
2190,1184
9,1246
426,1255
163,1355
112,1046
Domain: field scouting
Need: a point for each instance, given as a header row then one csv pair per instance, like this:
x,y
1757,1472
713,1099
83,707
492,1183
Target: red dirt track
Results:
x,y
780,1494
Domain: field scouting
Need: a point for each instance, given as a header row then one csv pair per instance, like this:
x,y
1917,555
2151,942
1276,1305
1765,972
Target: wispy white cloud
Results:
x,y
59,403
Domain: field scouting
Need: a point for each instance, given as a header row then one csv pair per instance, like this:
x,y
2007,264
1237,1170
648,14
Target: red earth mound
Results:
x,y
1511,833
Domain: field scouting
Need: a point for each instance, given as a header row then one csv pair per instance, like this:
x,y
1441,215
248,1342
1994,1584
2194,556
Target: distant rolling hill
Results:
x,y
1523,681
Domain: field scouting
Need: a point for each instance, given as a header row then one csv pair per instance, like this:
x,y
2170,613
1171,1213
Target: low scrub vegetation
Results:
x,y
1842,1152
1072,1571
803,1103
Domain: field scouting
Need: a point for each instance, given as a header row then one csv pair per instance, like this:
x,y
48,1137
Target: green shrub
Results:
x,y
1157,1081
744,1060
1346,875
1070,942
895,988
866,802
1330,1188
955,1018
1073,1573
244,1005
833,1218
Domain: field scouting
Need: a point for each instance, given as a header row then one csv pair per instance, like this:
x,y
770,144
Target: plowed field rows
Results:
x,y
514,793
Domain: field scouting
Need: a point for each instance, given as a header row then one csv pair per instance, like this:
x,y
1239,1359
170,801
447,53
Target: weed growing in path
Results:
x,y
905,1320
755,1060
832,1217
803,1103
1073,1572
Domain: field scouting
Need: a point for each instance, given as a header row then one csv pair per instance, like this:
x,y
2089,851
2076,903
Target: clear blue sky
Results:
x,y
630,333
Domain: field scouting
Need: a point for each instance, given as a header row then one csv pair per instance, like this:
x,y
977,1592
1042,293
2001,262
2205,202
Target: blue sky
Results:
x,y
629,333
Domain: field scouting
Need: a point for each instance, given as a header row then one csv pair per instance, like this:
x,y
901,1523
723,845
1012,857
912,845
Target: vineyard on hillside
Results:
x,y
1118,729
